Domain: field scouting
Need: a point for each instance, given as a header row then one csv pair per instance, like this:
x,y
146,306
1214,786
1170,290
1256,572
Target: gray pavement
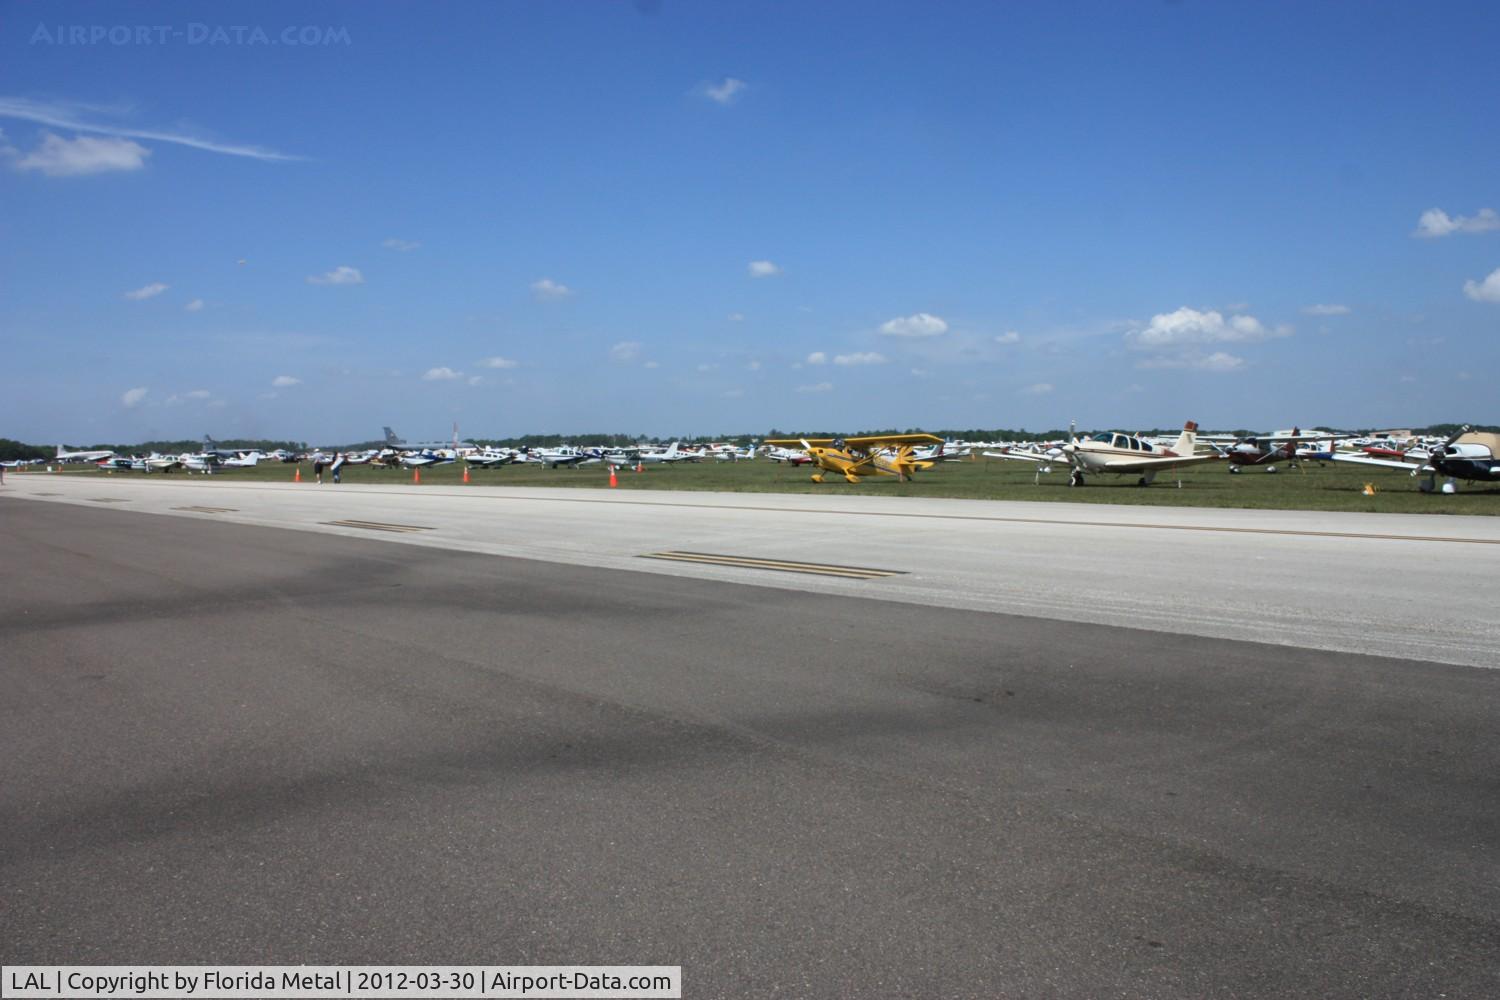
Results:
x,y
1404,585
225,743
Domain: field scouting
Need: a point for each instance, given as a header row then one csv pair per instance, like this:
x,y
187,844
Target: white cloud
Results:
x,y
194,306
150,291
733,393
1487,290
1219,361
84,118
753,366
285,381
1327,310
59,157
441,375
762,269
499,362
1008,337
133,397
341,275
651,364
1189,326
402,245
706,367
915,325
475,379
860,358
819,387
920,372
817,358
625,350
1435,223
197,394
736,317
726,92
548,290
1039,389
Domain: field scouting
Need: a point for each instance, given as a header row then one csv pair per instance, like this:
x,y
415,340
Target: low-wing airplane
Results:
x,y
855,457
1114,452
795,456
63,455
1467,455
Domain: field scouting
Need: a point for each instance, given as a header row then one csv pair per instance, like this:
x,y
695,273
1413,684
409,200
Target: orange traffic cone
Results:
x,y
640,467
466,473
416,475
297,476
613,482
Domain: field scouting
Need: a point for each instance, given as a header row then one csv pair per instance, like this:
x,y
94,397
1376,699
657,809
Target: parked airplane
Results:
x,y
795,456
855,457
1269,449
82,456
1114,452
1471,456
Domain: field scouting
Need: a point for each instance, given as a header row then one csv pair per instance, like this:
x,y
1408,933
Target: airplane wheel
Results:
x,y
1426,486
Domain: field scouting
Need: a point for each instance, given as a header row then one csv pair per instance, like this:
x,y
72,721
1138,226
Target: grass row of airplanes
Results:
x,y
1467,455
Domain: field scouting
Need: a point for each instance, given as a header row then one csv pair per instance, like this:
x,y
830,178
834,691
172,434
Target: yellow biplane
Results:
x,y
876,455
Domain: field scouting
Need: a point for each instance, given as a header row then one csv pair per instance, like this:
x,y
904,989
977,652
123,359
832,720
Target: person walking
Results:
x,y
318,468
338,467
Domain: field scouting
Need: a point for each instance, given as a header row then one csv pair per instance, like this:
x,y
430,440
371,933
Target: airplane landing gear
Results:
x,y
818,478
1451,486
1427,485
1075,478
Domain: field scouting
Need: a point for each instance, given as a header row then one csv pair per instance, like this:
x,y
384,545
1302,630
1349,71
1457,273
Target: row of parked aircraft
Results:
x,y
1467,455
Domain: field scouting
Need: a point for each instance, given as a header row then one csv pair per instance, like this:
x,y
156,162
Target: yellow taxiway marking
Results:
x,y
780,565
378,526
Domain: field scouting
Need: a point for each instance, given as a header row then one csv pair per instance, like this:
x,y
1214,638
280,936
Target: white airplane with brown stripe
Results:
x,y
1117,453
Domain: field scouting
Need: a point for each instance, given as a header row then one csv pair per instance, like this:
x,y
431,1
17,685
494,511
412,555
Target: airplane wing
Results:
x,y
891,440
800,443
1387,463
1030,456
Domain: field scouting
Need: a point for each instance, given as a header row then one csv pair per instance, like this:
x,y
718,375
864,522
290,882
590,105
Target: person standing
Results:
x,y
338,467
318,468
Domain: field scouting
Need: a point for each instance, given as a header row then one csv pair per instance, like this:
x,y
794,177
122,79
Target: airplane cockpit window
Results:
x,y
1120,441
1103,437
1135,444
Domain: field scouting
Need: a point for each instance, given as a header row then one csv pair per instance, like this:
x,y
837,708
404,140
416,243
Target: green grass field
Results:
x,y
1331,487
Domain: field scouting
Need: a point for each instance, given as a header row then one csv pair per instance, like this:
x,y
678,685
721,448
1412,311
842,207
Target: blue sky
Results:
x,y
705,218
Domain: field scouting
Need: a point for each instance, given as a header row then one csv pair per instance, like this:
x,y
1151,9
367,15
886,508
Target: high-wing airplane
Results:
x,y
1269,449
1114,452
1467,455
856,457
796,456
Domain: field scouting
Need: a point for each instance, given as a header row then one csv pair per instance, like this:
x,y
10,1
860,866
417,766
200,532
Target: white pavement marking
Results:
x,y
1408,585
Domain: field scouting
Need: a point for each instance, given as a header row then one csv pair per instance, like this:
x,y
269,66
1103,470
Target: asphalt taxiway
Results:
x,y
1405,585
222,742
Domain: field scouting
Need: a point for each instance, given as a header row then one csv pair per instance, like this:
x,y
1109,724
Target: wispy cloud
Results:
x,y
1436,223
915,325
548,290
1039,389
736,317
1008,337
817,358
819,387
499,362
150,291
90,118
285,381
1327,310
59,157
133,397
625,350
341,275
762,269
441,375
1487,290
725,92
860,358
194,306
402,245
1218,361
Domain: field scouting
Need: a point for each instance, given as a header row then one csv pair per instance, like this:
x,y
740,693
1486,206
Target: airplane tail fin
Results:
x,y
672,450
1187,440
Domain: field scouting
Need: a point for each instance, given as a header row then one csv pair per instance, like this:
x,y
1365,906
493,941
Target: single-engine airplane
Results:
x,y
1467,455
1114,452
863,456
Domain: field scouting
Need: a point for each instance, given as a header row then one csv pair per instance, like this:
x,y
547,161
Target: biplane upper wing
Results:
x,y
891,440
